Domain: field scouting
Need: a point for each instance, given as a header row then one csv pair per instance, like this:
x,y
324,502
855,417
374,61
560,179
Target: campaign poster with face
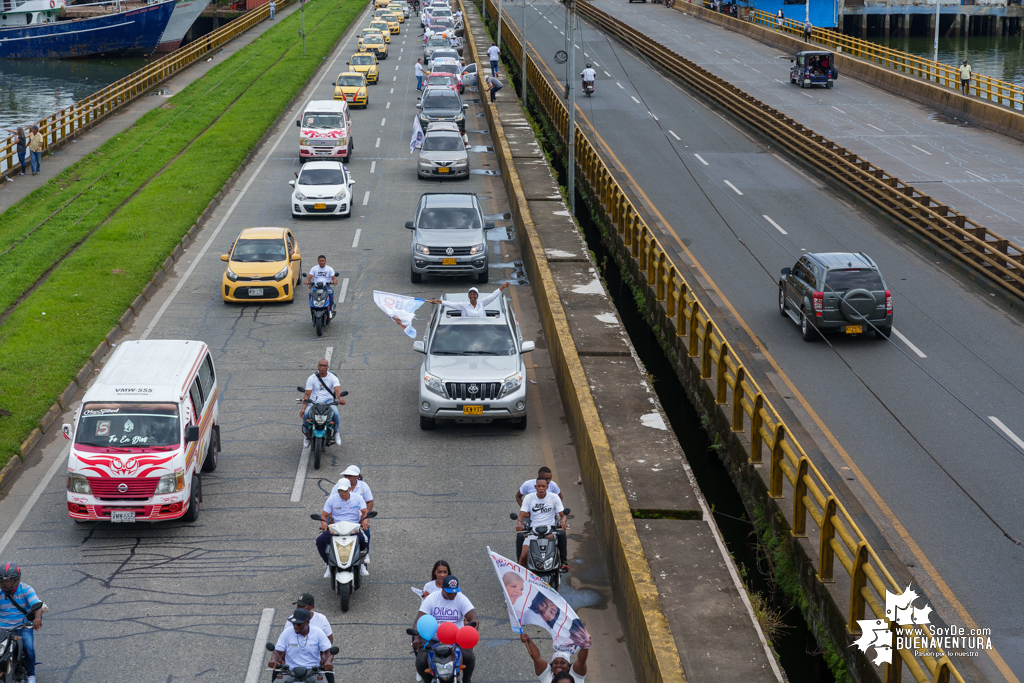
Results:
x,y
530,601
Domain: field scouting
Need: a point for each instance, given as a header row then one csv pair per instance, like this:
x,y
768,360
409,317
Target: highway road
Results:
x,y
173,602
925,429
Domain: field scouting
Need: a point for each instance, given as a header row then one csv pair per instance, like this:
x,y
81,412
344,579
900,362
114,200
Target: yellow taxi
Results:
x,y
375,44
264,264
392,22
382,28
381,3
351,87
397,10
377,14
365,63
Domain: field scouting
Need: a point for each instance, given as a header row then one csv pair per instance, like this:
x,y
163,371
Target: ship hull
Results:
x,y
185,14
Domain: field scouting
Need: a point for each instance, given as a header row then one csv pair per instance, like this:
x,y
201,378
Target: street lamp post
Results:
x,y
935,43
570,86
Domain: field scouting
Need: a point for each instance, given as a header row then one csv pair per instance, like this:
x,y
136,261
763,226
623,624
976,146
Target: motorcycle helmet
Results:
x,y
588,65
10,572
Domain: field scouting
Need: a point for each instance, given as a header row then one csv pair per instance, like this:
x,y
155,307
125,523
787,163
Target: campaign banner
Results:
x,y
530,601
400,308
417,135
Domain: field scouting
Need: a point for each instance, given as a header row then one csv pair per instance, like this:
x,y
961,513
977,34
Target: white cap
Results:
x,y
344,484
559,655
474,289
351,471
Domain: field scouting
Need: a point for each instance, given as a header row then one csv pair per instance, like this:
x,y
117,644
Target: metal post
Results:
x,y
499,25
807,11
522,63
570,81
302,4
935,44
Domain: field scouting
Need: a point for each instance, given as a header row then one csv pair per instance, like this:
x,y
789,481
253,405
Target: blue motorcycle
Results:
x,y
319,426
444,662
321,305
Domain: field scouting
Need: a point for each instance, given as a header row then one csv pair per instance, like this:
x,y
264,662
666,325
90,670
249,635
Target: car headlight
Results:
x,y
459,117
511,384
77,483
435,385
421,248
304,142
231,274
298,195
476,249
282,274
170,483
341,195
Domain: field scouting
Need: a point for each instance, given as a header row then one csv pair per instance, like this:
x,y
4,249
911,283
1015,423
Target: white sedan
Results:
x,y
322,188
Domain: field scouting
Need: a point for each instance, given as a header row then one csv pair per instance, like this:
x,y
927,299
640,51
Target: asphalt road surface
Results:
x,y
925,429
173,602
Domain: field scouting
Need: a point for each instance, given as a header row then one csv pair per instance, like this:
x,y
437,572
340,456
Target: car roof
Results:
x,y
815,52
495,311
262,233
313,165
448,199
161,367
324,107
444,61
351,73
838,259
446,126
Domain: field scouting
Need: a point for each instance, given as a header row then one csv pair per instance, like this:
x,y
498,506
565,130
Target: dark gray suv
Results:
x,y
836,292
449,237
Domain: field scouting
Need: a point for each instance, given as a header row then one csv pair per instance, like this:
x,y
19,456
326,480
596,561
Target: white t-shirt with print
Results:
x,y
530,486
447,610
345,510
317,392
542,511
302,650
322,274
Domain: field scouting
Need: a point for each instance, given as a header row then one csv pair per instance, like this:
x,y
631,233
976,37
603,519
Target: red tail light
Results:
x,y
818,303
888,302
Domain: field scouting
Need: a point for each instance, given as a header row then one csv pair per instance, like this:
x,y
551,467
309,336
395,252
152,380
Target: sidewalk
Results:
x,y
977,172
89,141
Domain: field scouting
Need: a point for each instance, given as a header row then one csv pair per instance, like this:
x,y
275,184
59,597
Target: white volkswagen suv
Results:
x,y
474,369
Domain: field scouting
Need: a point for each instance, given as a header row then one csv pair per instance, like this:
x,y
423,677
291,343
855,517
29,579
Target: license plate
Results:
x,y
448,262
472,410
255,291
318,205
443,169
854,329
122,515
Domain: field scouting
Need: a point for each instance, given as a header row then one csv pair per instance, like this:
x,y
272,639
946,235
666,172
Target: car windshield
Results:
x,y
322,176
125,425
373,39
364,60
259,251
354,81
379,26
450,218
440,79
437,42
853,278
322,121
441,100
473,340
443,142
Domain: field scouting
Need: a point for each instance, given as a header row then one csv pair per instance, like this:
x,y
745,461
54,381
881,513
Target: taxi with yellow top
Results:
x,y
375,44
264,264
398,11
365,63
381,3
351,87
382,28
392,22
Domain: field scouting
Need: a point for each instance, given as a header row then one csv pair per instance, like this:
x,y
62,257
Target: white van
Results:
x,y
325,131
145,429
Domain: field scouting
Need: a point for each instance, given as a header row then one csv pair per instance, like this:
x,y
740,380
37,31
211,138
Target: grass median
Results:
x,y
50,334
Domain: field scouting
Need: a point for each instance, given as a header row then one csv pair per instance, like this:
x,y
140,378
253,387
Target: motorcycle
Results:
x,y
588,88
320,306
319,427
543,558
299,674
445,661
344,558
12,650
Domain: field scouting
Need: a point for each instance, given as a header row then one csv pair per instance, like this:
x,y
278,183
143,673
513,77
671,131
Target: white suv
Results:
x,y
474,369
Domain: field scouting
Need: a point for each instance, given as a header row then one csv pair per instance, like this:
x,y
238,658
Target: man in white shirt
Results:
x,y
543,508
451,605
559,664
361,489
306,602
530,486
342,506
494,54
323,273
475,307
589,76
302,645
322,386
418,70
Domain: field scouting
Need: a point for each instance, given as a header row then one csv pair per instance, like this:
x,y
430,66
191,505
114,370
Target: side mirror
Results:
x,y
225,257
410,225
270,646
489,225
411,631
299,389
419,347
786,271
419,106
66,429
343,394
528,346
315,517
298,123
192,434
513,515
335,650
566,511
371,514
292,183
465,106
296,257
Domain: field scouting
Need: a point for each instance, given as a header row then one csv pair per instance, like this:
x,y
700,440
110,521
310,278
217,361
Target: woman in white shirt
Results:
x,y
441,569
475,307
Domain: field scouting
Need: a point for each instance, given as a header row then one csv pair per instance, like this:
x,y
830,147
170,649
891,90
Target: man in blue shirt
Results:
x,y
342,506
17,600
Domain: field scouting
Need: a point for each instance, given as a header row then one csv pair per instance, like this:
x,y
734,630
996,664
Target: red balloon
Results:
x,y
447,633
467,637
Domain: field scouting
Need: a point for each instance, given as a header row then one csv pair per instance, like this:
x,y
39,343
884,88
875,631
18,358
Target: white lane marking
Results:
x,y
344,290
394,78
607,74
675,136
718,51
399,56
60,461
300,474
259,646
737,61
585,54
355,240
701,159
776,225
975,175
753,69
377,144
635,99
652,115
838,110
806,95
392,91
734,188
596,64
619,84
876,128
401,49
577,46
995,420
908,343
397,67
366,198
383,120
387,106
562,32
373,167
921,150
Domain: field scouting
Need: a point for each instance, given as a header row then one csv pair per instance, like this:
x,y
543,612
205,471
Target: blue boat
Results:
x,y
32,29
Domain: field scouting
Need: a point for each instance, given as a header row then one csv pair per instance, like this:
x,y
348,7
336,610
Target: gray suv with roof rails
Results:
x,y
449,237
836,292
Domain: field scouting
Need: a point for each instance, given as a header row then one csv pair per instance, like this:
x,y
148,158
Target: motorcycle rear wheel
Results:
x,y
318,449
345,591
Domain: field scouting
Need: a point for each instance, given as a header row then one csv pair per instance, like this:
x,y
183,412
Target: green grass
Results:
x,y
85,295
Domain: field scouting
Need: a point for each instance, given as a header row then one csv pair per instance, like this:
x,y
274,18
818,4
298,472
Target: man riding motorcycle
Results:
x,y
342,506
17,601
543,508
319,389
322,272
589,76
302,645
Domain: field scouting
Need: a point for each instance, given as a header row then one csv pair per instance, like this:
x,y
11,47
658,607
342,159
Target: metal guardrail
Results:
x,y
839,536
59,127
988,88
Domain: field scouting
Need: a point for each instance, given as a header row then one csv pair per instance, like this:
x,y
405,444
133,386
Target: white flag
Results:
x,y
399,308
531,601
417,136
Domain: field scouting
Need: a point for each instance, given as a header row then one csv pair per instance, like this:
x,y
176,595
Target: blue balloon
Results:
x,y
426,626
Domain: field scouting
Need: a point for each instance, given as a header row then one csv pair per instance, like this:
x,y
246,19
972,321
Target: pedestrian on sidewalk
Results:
x,y
494,85
494,54
35,148
418,69
273,9
807,30
22,143
965,77
779,18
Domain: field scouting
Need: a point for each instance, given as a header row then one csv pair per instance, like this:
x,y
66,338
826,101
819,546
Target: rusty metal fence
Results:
x,y
988,88
62,126
790,469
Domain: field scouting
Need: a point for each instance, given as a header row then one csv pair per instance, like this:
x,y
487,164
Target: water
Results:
x,y
31,90
998,57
